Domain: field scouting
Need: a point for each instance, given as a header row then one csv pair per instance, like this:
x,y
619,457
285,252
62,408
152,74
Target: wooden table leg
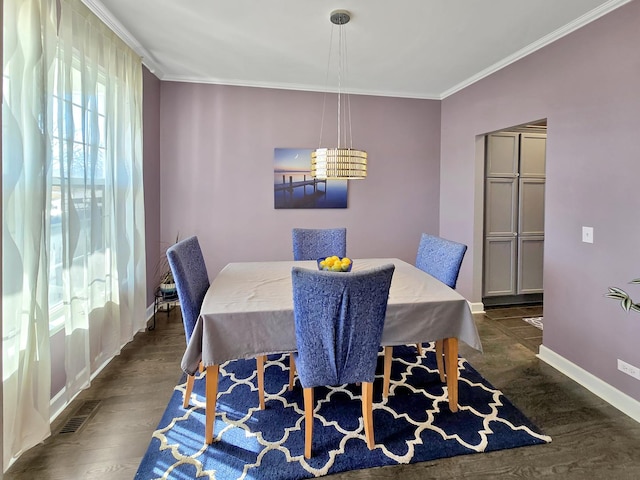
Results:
x,y
260,373
210,406
451,366
292,370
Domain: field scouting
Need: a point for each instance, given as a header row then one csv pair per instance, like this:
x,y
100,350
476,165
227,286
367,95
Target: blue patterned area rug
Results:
x,y
413,425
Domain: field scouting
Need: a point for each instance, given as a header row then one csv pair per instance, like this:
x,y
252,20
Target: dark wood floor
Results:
x,y
591,439
509,321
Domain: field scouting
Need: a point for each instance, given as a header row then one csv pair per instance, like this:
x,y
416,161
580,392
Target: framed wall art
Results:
x,y
294,187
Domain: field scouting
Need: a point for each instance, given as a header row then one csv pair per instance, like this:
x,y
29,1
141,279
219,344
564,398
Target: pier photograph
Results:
x,y
294,187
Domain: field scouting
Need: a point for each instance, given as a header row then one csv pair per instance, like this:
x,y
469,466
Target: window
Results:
x,y
78,176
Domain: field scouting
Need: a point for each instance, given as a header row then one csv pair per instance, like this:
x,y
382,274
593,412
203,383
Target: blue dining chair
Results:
x,y
192,282
440,258
339,319
314,243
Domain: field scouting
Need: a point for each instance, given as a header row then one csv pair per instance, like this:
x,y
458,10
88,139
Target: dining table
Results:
x,y
247,312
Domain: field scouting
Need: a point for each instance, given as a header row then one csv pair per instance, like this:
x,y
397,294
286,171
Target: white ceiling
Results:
x,y
402,48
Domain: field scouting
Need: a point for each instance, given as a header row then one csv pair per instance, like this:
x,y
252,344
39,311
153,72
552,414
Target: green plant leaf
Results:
x,y
618,291
626,302
616,296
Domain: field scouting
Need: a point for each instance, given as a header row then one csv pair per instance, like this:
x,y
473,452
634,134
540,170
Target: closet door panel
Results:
x,y
502,154
530,262
531,206
499,266
533,152
501,207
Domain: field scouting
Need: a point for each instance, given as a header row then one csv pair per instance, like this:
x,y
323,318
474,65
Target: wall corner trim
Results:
x,y
104,14
579,22
615,397
476,307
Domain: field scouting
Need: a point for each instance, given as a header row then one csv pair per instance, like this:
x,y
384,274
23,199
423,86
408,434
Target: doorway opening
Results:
x,y
513,235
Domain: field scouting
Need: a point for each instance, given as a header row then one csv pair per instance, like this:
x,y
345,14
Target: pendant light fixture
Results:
x,y
342,162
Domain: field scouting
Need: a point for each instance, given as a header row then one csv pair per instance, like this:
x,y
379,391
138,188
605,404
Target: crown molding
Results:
x,y
114,24
296,87
537,45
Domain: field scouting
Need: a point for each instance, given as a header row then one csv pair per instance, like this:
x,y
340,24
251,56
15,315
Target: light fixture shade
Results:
x,y
338,164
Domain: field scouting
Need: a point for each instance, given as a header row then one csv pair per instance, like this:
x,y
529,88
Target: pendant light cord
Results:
x,y
348,97
345,136
326,86
342,66
340,71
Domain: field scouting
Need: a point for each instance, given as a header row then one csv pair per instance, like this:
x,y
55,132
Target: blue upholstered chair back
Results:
x,y
314,243
190,274
440,258
339,319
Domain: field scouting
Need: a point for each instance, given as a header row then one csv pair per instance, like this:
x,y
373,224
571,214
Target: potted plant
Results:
x,y
166,282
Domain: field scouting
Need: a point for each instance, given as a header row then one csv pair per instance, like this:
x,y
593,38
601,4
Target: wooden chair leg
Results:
x,y
211,397
367,413
292,371
419,347
260,373
439,359
188,390
388,356
308,421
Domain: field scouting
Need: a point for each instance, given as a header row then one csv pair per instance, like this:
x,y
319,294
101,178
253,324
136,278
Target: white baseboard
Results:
x,y
476,307
149,312
615,397
57,405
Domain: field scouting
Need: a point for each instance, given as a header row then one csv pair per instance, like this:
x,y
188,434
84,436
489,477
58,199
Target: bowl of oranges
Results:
x,y
335,264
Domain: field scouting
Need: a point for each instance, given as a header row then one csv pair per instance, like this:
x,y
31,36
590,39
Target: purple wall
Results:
x,y
588,87
151,169
217,145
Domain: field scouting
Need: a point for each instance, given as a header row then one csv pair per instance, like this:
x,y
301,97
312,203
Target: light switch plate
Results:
x,y
587,234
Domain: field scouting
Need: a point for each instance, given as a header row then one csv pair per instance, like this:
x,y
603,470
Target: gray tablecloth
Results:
x,y
248,311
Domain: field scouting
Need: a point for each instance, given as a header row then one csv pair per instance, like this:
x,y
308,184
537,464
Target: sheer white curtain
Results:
x,y
97,158
29,54
73,240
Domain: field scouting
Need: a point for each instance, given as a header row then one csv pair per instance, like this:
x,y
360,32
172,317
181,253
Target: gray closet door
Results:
x,y
501,214
514,213
531,212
